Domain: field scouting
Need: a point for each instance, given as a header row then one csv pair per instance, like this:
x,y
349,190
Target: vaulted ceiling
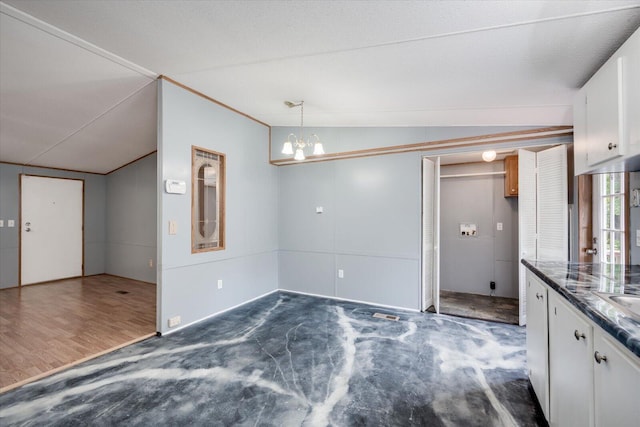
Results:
x,y
77,78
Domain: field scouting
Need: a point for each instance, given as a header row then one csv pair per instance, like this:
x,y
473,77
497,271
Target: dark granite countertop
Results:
x,y
576,282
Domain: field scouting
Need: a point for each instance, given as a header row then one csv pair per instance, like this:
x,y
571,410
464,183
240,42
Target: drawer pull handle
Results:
x,y
599,357
539,296
611,146
579,335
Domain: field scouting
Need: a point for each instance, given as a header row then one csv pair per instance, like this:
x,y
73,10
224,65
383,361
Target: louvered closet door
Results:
x,y
553,228
526,221
543,219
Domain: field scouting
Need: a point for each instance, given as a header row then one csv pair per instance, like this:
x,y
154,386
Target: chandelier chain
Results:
x,y
301,120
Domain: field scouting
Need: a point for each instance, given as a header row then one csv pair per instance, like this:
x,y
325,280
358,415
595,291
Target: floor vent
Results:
x,y
386,316
122,292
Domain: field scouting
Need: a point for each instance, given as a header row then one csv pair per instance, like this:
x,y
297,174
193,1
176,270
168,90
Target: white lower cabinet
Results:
x,y
579,373
616,383
570,365
537,341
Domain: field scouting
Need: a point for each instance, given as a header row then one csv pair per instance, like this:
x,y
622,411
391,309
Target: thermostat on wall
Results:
x,y
173,186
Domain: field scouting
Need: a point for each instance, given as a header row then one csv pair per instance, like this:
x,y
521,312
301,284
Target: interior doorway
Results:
x,y
51,228
483,233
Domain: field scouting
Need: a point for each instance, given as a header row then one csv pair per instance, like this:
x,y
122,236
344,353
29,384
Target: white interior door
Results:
x,y
543,217
526,222
553,206
430,234
51,226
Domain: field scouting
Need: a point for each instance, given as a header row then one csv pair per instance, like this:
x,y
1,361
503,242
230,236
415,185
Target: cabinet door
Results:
x,y
604,113
537,341
511,176
616,384
570,366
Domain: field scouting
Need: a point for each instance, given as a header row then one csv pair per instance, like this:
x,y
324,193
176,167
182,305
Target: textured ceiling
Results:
x,y
355,63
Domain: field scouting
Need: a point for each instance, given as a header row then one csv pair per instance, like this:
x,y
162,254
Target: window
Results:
x,y
611,213
207,200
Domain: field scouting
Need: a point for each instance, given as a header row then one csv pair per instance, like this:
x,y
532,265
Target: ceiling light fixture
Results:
x,y
298,142
489,156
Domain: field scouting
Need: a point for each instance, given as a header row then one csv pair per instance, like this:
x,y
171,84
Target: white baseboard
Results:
x,y
352,300
217,313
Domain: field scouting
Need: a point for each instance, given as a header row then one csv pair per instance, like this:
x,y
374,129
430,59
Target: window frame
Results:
x,y
609,229
196,236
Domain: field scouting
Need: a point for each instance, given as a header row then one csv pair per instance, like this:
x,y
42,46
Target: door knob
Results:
x,y
593,251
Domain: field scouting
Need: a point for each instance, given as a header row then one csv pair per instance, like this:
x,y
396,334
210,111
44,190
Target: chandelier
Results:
x,y
298,142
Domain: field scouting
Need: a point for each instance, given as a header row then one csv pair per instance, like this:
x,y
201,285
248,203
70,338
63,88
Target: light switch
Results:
x,y
11,223
499,226
340,274
1,222
173,227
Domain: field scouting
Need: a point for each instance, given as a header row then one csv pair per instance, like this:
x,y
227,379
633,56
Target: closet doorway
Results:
x,y
479,229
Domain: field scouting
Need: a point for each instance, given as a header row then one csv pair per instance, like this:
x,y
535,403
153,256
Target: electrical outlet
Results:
x,y
219,283
150,262
492,285
499,226
174,321
340,274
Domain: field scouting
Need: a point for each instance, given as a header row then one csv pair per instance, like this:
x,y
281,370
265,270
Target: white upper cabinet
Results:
x,y
606,114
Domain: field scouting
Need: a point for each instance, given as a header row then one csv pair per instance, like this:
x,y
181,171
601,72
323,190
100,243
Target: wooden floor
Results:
x,y
45,327
497,309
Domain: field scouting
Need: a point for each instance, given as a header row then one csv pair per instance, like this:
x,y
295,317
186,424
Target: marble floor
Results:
x,y
497,309
294,360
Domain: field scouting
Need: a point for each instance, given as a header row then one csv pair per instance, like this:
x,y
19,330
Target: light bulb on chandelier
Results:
x,y
298,143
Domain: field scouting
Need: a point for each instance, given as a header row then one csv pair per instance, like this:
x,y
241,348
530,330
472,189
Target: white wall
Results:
x,y
370,228
468,264
248,266
131,221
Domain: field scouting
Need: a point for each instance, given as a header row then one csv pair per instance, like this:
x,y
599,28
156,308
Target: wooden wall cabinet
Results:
x,y
511,176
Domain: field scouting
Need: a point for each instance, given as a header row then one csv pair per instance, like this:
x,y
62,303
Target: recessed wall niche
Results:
x,y
207,200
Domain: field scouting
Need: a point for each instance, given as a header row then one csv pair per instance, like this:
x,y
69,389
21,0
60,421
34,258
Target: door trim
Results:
x,y
20,223
585,217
